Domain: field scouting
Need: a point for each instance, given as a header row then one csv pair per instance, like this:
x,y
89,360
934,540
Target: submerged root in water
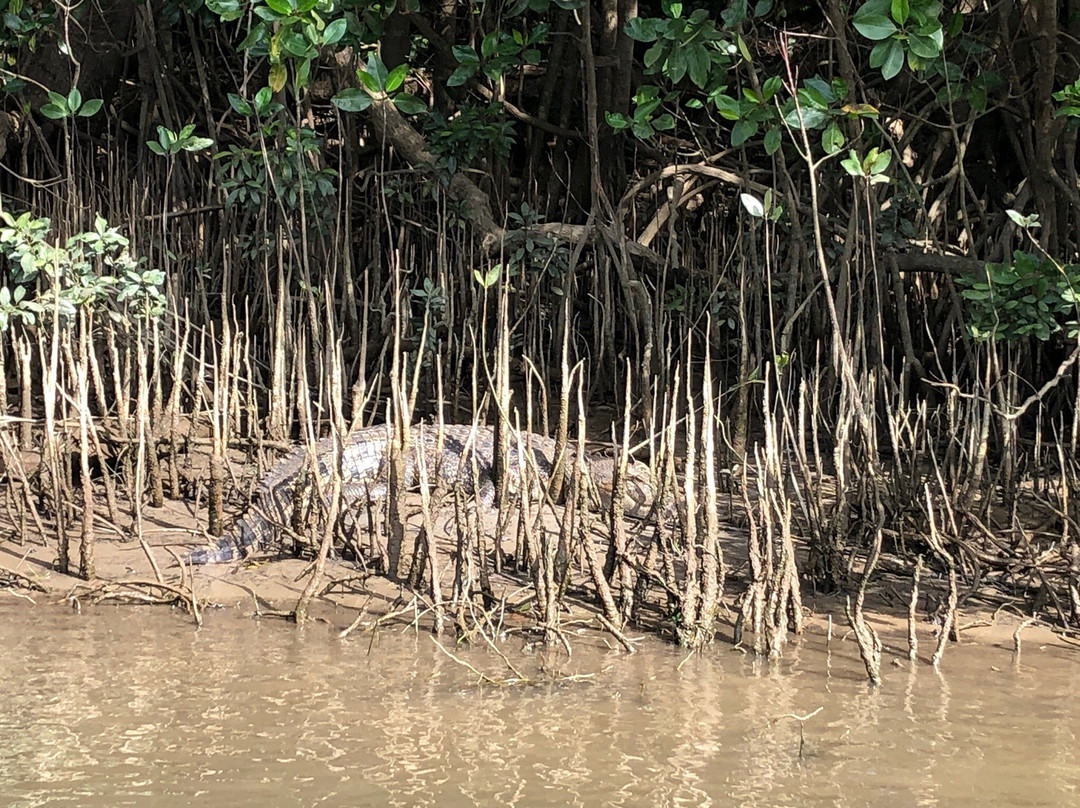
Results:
x,y
155,593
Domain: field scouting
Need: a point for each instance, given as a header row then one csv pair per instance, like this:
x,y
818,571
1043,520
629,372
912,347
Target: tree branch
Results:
x,y
391,128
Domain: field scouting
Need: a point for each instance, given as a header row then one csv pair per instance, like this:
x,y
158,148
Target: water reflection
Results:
x,y
127,707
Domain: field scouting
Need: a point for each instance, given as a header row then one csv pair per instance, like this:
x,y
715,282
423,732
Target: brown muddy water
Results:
x,y
124,706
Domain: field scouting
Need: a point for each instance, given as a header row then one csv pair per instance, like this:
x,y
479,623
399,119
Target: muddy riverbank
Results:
x,y
355,600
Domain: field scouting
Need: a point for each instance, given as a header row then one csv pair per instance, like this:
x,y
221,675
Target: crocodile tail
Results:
x,y
224,552
233,546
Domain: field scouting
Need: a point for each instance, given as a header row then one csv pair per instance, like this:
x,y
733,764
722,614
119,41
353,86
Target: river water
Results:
x,y
129,706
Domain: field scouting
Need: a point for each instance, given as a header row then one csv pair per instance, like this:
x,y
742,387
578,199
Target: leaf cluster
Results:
x,y
472,134
693,46
500,51
287,31
71,105
93,269
1028,297
902,29
22,24
376,81
701,57
170,143
530,251
1069,99
252,173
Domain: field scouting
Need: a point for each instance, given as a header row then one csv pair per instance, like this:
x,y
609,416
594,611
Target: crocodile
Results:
x,y
453,454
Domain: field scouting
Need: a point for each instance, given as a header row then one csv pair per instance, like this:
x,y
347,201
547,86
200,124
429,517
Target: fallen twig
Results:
x,y
483,676
624,641
136,592
10,579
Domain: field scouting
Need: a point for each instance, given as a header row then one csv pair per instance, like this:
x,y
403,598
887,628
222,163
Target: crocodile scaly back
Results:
x,y
455,455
